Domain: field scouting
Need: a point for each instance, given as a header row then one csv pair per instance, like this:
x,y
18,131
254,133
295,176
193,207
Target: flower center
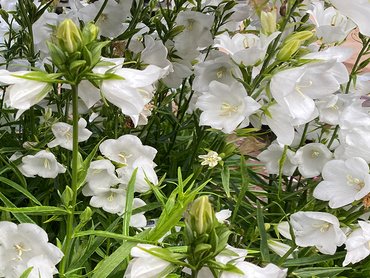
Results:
x,y
220,73
301,85
111,196
324,227
123,156
315,154
359,184
47,164
20,249
227,109
190,24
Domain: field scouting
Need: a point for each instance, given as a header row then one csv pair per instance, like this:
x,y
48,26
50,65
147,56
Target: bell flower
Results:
x,y
226,107
43,164
357,10
23,93
126,149
252,270
319,229
311,158
144,264
357,244
343,182
331,25
26,245
211,159
63,133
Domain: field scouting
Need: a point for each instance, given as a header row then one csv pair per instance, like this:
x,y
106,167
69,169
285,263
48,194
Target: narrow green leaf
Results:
x,y
261,227
22,218
112,235
129,202
313,259
40,210
26,273
21,189
310,272
225,177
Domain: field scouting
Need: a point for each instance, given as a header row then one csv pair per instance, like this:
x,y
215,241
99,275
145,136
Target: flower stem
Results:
x,y
67,246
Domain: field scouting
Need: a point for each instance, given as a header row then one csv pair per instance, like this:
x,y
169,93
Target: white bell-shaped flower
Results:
x,y
357,244
319,229
43,164
343,182
26,245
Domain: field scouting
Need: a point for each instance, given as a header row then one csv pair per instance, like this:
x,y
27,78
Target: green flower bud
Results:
x,y
288,50
90,33
300,36
268,22
67,196
69,36
201,216
86,215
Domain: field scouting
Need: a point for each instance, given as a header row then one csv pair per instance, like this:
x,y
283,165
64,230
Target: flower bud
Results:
x,y
85,216
90,33
201,216
69,36
288,50
268,22
300,36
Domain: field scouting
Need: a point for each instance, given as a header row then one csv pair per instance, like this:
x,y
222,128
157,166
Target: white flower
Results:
x,y
272,156
88,93
147,265
223,215
311,158
43,164
354,143
344,182
26,245
319,229
155,53
211,159
226,107
295,89
145,172
357,244
331,25
279,248
63,133
126,149
251,270
23,93
246,49
357,10
220,69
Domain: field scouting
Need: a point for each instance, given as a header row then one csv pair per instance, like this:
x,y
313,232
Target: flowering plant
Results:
x,y
184,138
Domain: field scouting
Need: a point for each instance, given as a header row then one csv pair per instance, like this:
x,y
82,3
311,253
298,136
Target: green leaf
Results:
x,y
310,272
26,273
22,218
313,259
261,227
112,235
39,210
225,177
21,189
129,203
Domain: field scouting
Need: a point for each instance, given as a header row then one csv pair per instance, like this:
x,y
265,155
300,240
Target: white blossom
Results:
x,y
211,159
357,244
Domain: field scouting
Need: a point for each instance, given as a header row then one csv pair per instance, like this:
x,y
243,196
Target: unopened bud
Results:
x,y
69,36
201,216
268,22
300,36
86,215
90,33
288,50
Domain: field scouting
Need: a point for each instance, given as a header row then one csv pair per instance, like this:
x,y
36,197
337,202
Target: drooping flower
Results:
x,y
252,270
43,164
226,107
357,244
144,264
63,133
26,245
319,229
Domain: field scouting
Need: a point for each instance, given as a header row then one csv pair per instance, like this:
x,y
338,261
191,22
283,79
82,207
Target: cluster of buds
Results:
x,y
76,51
205,236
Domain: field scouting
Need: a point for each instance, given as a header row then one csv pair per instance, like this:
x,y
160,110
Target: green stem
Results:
x,y
67,246
100,11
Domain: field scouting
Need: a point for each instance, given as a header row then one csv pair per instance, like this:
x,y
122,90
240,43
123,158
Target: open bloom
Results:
x,y
43,164
63,133
26,245
226,107
357,244
319,229
357,10
344,182
211,159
